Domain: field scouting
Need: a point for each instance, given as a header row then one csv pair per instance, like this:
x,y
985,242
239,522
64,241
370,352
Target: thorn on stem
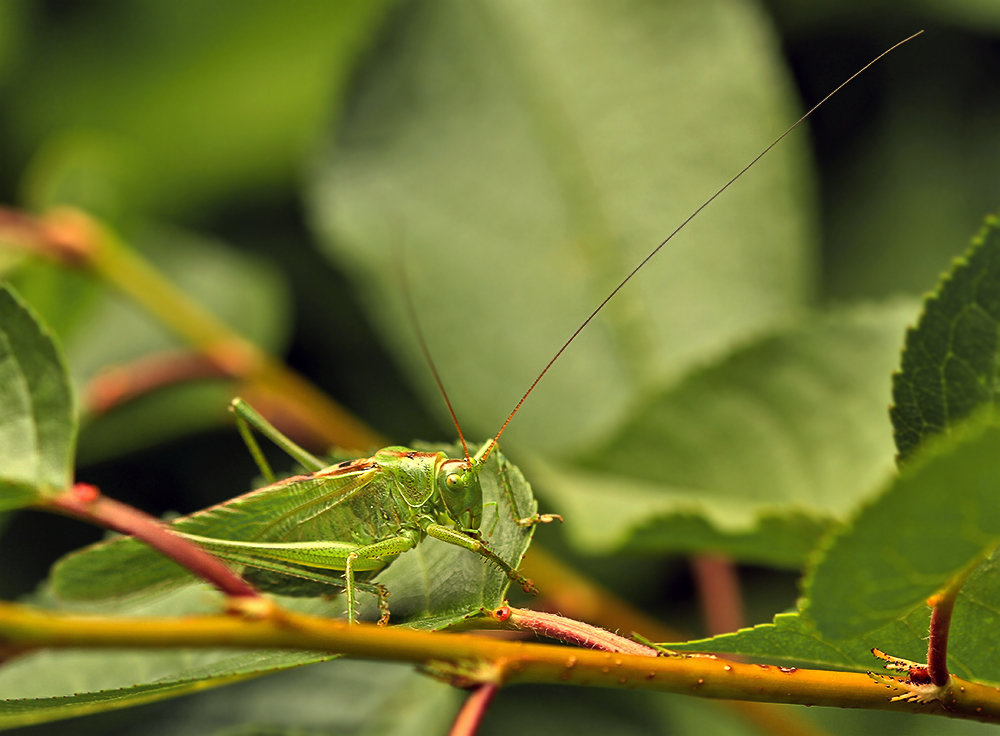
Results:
x,y
86,492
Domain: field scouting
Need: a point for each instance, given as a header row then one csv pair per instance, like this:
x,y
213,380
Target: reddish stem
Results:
x,y
123,383
85,501
719,590
471,715
34,235
937,646
568,630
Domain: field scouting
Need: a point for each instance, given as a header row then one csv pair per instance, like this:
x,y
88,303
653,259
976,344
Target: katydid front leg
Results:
x,y
460,539
535,518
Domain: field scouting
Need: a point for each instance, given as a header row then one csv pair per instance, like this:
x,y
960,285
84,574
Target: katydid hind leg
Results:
x,y
247,417
269,566
243,427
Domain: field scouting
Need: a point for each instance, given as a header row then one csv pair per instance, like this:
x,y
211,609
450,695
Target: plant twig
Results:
x,y
473,709
764,715
719,590
568,630
937,647
23,629
942,606
120,384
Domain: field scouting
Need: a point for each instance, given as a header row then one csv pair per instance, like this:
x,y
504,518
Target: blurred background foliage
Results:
x,y
215,135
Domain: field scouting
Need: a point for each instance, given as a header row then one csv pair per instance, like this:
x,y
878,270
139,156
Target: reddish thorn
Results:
x,y
86,492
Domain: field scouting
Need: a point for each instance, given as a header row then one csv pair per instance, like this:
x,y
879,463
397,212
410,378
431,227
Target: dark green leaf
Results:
x,y
37,426
938,518
792,641
949,362
343,697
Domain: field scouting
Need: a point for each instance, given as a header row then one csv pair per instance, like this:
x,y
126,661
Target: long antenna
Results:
x,y
680,227
415,321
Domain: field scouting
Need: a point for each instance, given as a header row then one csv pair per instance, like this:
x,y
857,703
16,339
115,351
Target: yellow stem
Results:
x,y
466,658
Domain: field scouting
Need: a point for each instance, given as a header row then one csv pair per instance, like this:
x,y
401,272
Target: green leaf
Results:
x,y
431,586
345,697
86,668
37,426
51,685
185,105
938,518
754,455
793,640
949,362
519,158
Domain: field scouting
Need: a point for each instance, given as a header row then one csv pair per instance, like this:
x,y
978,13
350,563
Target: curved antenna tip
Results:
x,y
680,227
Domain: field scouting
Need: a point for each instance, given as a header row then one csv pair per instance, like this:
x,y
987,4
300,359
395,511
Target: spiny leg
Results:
x,y
459,539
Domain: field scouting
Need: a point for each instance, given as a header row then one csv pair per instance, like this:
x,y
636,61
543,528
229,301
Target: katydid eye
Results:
x,y
453,481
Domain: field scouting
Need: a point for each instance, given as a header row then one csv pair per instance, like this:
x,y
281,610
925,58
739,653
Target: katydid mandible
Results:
x,y
357,516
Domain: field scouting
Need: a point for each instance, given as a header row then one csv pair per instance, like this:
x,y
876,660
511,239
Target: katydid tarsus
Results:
x,y
339,525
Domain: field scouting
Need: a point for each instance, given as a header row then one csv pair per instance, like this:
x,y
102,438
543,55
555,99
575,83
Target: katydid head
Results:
x,y
458,484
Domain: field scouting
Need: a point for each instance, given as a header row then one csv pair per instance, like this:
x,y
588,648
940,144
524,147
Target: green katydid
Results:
x,y
333,528
341,524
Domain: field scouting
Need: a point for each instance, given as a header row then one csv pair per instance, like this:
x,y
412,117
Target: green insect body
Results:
x,y
334,528
358,516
